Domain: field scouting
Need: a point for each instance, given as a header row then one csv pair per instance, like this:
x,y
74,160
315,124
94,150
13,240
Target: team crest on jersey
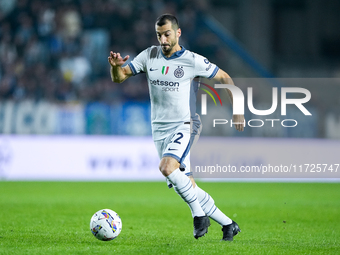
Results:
x,y
179,73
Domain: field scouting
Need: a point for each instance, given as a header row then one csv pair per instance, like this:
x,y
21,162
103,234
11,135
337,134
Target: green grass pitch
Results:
x,y
275,218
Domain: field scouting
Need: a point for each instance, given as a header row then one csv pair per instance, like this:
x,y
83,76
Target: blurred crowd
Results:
x,y
57,50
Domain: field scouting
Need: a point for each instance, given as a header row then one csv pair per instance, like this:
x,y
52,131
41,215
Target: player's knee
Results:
x,y
168,165
165,169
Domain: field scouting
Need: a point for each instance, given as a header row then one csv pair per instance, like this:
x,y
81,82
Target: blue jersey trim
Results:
x,y
132,68
176,54
214,72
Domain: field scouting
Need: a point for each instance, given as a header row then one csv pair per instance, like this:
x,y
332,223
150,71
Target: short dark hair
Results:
x,y
161,21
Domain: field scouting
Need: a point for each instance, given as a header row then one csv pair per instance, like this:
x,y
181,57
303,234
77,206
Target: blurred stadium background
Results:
x,y
56,92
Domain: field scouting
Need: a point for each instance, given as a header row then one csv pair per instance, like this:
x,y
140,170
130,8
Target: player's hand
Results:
x,y
239,119
116,60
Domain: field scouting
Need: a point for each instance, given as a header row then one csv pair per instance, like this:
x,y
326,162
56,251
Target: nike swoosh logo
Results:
x,y
151,69
172,149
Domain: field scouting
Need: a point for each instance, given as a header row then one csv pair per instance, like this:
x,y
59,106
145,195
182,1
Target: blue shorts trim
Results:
x,y
175,157
185,154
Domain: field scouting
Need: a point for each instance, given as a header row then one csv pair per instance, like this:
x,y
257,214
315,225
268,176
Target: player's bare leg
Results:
x,y
184,188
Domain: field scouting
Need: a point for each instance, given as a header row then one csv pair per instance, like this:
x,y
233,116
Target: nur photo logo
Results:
x,y
239,104
204,97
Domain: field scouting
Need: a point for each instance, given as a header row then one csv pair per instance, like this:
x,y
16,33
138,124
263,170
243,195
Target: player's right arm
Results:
x,y
119,73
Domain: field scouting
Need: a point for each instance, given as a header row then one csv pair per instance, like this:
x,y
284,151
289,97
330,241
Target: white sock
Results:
x,y
208,205
183,187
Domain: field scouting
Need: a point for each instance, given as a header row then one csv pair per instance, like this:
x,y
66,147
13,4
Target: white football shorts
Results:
x,y
177,146
178,143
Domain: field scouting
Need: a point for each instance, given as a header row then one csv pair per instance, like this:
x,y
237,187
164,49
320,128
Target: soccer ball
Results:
x,y
105,225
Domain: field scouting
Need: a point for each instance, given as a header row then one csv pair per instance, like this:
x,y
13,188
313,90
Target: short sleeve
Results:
x,y
203,68
138,64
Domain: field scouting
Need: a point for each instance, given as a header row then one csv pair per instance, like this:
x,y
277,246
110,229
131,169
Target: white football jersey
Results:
x,y
172,93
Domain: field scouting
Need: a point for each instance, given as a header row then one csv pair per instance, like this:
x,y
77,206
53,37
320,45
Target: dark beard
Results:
x,y
169,49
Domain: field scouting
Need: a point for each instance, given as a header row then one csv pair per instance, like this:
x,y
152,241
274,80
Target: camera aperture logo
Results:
x,y
238,105
204,110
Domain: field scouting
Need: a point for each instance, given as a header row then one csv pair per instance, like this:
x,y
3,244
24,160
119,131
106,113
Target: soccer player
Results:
x,y
170,69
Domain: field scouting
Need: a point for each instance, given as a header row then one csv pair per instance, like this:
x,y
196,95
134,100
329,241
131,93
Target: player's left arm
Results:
x,y
224,78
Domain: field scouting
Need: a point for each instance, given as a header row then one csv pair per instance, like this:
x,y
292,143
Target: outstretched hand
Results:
x,y
240,120
116,60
